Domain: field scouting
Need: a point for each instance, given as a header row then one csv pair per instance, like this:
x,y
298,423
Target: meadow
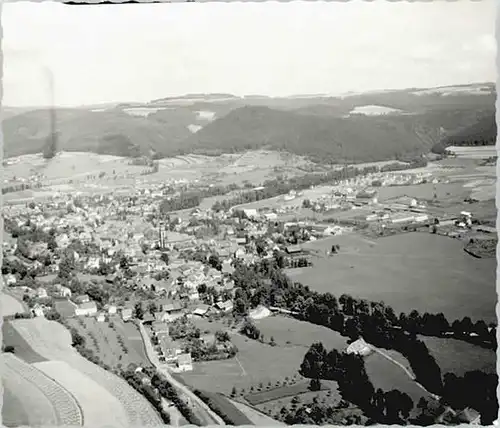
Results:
x,y
429,273
386,375
458,357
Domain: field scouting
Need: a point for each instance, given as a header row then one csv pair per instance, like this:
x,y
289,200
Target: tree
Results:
x,y
138,311
50,147
124,263
165,258
315,384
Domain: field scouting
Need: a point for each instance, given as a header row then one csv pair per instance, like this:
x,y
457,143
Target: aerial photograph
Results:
x,y
260,214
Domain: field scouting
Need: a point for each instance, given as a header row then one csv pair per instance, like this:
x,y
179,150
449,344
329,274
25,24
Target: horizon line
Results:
x,y
242,97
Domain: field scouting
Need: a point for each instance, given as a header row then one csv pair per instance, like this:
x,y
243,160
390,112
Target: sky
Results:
x,y
123,53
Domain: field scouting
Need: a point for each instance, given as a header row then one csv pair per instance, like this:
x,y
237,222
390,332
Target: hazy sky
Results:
x,y
141,52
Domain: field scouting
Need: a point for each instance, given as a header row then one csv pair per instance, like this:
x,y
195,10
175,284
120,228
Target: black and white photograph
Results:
x,y
259,214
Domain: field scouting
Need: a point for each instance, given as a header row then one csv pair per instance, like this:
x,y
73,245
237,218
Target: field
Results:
x,y
386,375
108,347
289,332
404,271
458,357
278,393
53,342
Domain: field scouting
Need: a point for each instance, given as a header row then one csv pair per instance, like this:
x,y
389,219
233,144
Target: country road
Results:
x,y
200,409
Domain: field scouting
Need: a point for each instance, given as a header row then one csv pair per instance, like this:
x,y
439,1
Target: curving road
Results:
x,y
200,408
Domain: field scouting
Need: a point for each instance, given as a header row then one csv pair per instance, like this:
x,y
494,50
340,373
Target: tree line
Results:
x,y
283,185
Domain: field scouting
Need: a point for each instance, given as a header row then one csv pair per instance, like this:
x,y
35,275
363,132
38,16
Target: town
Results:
x,y
114,268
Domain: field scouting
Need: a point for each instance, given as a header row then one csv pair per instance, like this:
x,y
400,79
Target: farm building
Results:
x,y
402,218
359,347
185,362
86,309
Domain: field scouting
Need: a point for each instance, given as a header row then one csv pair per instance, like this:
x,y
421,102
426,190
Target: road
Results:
x,y
200,409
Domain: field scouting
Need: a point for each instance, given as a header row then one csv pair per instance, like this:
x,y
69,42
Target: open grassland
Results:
x,y
458,357
100,408
51,340
45,401
289,332
386,375
9,305
429,273
104,341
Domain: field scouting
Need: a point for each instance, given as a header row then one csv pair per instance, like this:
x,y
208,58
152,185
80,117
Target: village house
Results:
x,y
184,362
86,309
101,317
126,314
64,292
111,309
41,292
159,327
83,298
226,306
201,310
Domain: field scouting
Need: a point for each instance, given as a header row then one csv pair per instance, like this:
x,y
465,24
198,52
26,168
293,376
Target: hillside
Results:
x,y
321,137
481,133
320,127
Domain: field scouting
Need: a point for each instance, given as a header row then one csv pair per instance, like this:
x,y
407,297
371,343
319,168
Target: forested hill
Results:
x,y
356,128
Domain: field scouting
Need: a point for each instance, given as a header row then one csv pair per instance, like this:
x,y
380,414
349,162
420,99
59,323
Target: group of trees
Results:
x,y
475,389
134,379
348,370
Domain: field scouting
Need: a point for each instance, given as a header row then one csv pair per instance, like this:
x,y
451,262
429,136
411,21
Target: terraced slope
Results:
x,y
35,399
52,341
